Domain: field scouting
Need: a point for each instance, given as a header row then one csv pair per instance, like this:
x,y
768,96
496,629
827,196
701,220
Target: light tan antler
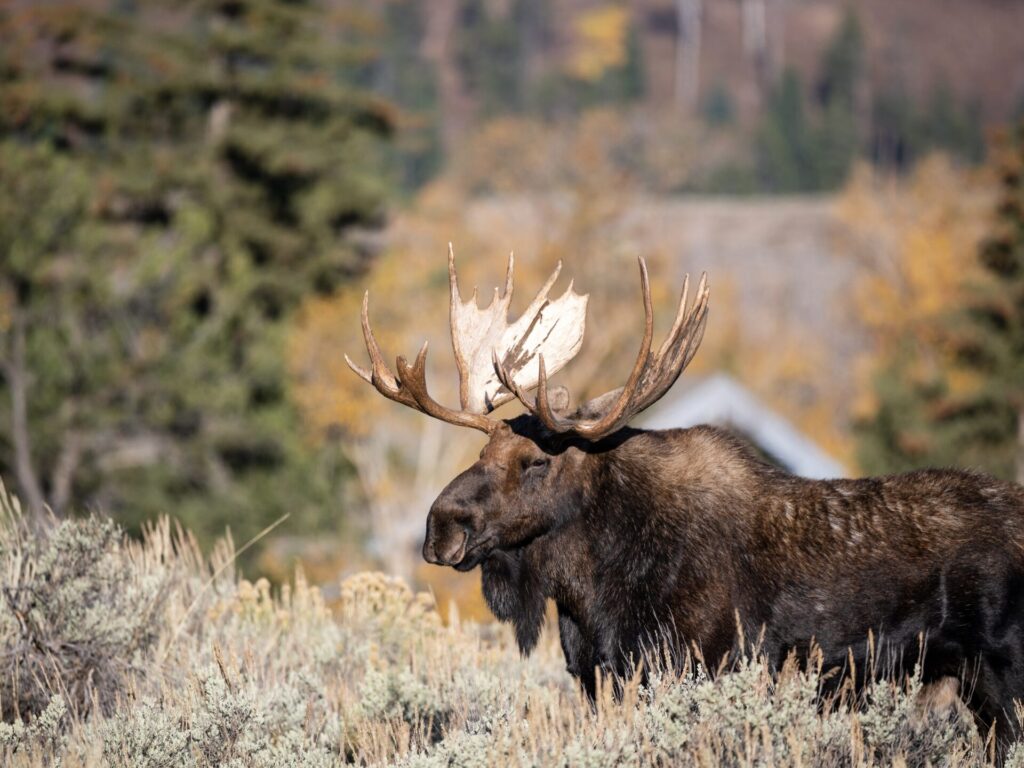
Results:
x,y
551,328
652,375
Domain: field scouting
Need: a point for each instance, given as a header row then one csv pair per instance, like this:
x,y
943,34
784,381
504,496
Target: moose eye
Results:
x,y
536,463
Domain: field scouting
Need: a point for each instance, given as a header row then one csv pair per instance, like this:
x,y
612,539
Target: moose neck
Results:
x,y
626,521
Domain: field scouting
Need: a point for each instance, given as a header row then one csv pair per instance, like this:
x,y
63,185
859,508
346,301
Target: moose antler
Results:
x,y
552,328
652,375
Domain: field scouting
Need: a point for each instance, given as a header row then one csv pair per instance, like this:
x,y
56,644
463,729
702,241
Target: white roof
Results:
x,y
722,401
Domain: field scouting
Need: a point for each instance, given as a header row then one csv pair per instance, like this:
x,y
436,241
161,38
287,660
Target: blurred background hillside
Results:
x,y
194,195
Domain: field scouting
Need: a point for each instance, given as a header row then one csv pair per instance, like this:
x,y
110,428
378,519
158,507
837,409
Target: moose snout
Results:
x,y
445,542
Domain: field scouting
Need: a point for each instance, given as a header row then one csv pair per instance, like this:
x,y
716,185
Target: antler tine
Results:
x,y
509,382
652,375
454,301
379,375
681,315
678,349
542,294
543,405
453,278
700,314
359,371
410,386
620,409
509,273
414,379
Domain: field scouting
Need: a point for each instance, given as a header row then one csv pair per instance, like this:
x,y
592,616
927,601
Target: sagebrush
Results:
x,y
123,653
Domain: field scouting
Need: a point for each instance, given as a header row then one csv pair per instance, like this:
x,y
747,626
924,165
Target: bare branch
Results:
x,y
17,381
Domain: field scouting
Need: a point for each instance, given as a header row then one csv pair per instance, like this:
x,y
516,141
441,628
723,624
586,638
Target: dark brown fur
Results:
x,y
655,539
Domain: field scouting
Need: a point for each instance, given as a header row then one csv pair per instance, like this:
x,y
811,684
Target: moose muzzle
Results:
x,y
446,540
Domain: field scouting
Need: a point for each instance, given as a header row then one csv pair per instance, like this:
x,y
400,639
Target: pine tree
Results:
x,y
42,208
900,434
957,398
230,161
784,139
842,63
988,335
62,357
810,150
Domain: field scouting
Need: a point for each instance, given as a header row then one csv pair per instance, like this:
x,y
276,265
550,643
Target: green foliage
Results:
x,y
842,63
921,419
398,72
718,107
784,139
903,132
951,126
800,150
198,169
234,675
497,48
898,436
987,336
492,54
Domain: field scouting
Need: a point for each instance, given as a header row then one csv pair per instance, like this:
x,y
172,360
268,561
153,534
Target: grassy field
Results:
x,y
147,654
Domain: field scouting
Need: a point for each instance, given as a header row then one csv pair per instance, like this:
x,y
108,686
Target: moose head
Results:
x,y
528,474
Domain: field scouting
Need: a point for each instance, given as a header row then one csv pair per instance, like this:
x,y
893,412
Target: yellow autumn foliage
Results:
x,y
599,41
918,254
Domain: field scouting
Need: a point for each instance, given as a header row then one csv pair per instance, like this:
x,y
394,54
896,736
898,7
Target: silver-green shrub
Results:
x,y
76,616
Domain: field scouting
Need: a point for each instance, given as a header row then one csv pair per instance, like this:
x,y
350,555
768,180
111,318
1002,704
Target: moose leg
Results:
x,y
993,706
995,680
580,661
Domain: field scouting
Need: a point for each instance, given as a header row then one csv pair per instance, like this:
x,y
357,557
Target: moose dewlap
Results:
x,y
666,539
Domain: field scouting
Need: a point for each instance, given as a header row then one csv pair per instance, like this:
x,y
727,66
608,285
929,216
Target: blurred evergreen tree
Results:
x,y
920,418
948,125
842,63
900,433
398,72
618,84
806,151
894,129
718,109
986,423
492,54
784,139
228,166
44,339
902,132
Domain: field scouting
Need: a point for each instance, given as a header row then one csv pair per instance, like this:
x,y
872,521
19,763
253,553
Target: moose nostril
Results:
x,y
447,537
455,549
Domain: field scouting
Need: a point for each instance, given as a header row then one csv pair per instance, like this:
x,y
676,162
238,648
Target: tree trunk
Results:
x,y
755,28
439,47
14,368
64,472
1020,445
688,21
764,40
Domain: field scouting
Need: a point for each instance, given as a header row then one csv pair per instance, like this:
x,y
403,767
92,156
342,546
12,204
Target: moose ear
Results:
x,y
598,407
558,397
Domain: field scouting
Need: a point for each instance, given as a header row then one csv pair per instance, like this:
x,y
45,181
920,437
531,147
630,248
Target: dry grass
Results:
x,y
133,654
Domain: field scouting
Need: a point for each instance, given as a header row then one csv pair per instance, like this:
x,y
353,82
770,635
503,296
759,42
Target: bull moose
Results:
x,y
674,538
